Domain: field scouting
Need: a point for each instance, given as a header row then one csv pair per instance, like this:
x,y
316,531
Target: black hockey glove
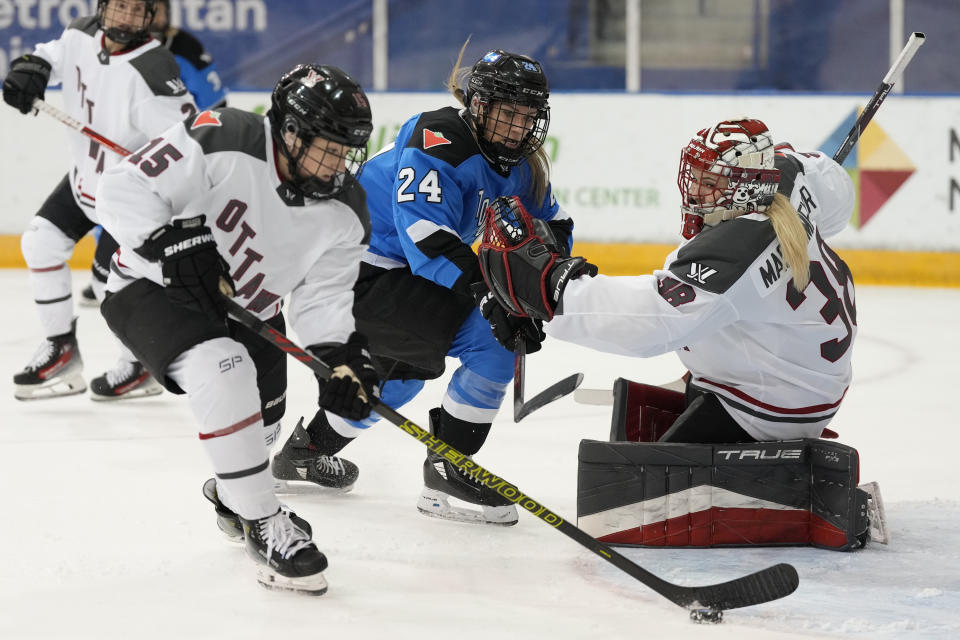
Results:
x,y
354,385
26,80
507,329
194,273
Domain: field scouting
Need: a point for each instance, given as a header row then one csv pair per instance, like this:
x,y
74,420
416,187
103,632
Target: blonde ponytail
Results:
x,y
458,77
792,237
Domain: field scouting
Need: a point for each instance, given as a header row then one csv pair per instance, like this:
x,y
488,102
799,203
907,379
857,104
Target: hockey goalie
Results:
x,y
762,313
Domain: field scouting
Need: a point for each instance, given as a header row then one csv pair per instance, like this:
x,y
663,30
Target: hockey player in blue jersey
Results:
x,y
420,295
197,69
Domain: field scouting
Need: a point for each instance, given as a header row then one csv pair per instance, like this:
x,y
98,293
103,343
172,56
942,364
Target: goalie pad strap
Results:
x,y
796,492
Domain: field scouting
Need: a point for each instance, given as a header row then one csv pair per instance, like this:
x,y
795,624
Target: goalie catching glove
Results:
x,y
194,273
354,385
522,264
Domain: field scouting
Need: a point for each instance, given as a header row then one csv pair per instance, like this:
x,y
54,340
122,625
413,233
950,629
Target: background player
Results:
x,y
199,74
125,86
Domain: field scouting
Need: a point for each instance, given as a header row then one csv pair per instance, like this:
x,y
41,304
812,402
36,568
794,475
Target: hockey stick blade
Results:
x,y
768,584
554,392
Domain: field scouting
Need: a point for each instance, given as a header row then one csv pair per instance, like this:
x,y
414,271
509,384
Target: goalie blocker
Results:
x,y
639,492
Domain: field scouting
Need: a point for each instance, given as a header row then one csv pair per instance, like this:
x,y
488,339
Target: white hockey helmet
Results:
x,y
726,171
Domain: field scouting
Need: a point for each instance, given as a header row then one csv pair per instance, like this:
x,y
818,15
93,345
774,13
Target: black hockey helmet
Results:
x,y
509,79
128,35
320,100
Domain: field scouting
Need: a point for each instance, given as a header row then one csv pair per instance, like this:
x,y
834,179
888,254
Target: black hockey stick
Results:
x,y
768,584
555,391
913,43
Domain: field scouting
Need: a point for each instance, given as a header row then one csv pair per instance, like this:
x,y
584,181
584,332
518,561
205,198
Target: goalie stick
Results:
x,y
50,110
555,391
914,42
768,584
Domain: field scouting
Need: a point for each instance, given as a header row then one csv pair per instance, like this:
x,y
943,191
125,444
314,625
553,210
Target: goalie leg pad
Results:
x,y
643,412
797,492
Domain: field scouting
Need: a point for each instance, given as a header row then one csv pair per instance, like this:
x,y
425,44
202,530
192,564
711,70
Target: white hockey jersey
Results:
x,y
128,97
778,359
222,164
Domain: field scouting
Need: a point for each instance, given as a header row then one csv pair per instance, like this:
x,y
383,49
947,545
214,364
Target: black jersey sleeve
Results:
x,y
719,256
229,130
160,71
443,134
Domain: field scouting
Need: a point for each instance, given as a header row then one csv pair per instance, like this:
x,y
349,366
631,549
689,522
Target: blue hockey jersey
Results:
x,y
427,193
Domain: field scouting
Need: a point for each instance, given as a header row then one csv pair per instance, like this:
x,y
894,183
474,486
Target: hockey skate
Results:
x,y
87,297
229,522
299,467
443,481
126,380
287,558
55,370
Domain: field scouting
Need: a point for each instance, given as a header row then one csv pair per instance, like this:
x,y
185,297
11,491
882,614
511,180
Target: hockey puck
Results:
x,y
706,616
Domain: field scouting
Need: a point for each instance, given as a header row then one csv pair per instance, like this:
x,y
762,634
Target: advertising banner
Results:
x,y
615,159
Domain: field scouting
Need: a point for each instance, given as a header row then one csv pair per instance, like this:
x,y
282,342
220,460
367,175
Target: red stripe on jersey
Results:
x,y
246,422
817,408
46,269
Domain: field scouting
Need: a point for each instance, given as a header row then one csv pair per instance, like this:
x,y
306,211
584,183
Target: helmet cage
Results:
x,y
313,102
123,34
502,89
725,172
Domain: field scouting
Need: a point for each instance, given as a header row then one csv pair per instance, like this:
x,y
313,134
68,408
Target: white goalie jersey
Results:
x,y
222,164
128,97
778,359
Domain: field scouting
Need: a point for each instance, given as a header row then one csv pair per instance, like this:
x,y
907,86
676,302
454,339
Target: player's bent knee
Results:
x,y
43,244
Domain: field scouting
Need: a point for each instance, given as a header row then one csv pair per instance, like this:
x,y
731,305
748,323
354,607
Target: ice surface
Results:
x,y
105,533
